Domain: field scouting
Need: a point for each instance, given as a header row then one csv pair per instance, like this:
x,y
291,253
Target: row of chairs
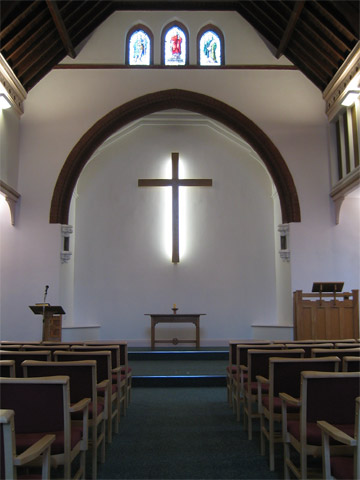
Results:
x,y
267,370
238,353
94,372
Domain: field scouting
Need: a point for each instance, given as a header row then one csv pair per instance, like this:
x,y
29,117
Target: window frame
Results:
x,y
219,33
129,34
182,27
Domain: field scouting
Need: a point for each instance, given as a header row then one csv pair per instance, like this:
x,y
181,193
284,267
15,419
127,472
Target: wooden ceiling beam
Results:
x,y
294,17
61,28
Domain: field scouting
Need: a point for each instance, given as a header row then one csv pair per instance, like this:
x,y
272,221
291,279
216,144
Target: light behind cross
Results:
x,y
175,182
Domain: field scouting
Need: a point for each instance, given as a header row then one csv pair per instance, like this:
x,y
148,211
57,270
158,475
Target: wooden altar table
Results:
x,y
175,318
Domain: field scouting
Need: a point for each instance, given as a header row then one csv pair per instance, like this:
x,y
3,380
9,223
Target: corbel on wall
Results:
x,y
12,197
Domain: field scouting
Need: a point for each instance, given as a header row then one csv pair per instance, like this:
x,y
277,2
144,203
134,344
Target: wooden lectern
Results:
x,y
325,313
52,319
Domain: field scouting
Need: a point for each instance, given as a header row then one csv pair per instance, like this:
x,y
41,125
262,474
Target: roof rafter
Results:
x,y
61,28
294,17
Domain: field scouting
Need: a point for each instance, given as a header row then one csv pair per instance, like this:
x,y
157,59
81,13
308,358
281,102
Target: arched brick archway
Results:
x,y
164,100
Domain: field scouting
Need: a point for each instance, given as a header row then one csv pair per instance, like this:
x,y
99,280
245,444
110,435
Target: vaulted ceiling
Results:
x,y
316,36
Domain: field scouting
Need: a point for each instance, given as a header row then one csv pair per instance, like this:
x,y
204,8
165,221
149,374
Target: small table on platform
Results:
x,y
175,318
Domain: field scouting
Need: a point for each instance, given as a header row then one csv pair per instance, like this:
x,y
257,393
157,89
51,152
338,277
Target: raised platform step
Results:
x,y
153,355
178,367
179,381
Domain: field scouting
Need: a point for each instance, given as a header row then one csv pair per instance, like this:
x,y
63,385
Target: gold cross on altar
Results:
x,y
175,182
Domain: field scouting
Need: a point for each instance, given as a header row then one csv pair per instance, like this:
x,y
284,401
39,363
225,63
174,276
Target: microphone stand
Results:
x,y
44,307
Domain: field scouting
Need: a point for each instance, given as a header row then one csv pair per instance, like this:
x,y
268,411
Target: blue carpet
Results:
x,y
183,433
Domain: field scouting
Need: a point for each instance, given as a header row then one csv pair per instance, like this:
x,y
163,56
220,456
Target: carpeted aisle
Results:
x,y
183,433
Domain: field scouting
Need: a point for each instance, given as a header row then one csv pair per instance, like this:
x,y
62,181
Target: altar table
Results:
x,y
175,318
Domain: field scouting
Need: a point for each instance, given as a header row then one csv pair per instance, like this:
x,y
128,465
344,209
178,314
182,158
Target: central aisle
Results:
x,y
183,433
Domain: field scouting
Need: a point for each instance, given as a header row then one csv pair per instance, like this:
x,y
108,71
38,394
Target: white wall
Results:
x,y
121,268
66,103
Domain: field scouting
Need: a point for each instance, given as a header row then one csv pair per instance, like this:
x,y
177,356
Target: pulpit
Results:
x,y
326,313
52,320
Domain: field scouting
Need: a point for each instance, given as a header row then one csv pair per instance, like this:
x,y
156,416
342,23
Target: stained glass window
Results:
x,y
210,49
175,46
139,48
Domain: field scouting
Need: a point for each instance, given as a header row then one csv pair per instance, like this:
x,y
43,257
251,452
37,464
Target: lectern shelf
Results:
x,y
52,320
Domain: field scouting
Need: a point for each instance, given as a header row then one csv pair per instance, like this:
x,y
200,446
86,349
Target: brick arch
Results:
x,y
164,100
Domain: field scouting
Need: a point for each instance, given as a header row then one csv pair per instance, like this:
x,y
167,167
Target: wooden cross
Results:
x,y
175,183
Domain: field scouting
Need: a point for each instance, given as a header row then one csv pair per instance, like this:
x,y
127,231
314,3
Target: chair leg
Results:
x,y
262,435
271,445
94,451
286,456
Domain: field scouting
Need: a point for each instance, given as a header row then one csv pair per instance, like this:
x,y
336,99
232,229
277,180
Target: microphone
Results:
x,y
46,290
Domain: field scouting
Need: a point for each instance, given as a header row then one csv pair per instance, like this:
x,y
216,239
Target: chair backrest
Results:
x,y
309,346
19,357
10,347
7,368
82,376
123,346
285,373
102,357
40,404
233,344
351,364
242,351
339,352
329,396
347,344
113,349
258,360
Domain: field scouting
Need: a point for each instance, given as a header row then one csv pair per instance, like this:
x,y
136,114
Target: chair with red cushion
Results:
x,y
126,370
324,396
83,384
7,368
42,407
341,467
239,374
117,378
10,463
109,393
231,368
258,364
20,356
284,376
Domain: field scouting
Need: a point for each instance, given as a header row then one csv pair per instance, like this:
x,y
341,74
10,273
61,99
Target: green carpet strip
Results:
x,y
183,433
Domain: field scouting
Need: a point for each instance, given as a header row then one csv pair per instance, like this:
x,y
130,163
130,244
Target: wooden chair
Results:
x,y
10,346
239,375
323,396
126,370
20,356
258,364
231,368
9,461
284,376
117,378
103,370
7,368
350,364
307,347
341,467
339,352
353,344
50,348
83,384
42,406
